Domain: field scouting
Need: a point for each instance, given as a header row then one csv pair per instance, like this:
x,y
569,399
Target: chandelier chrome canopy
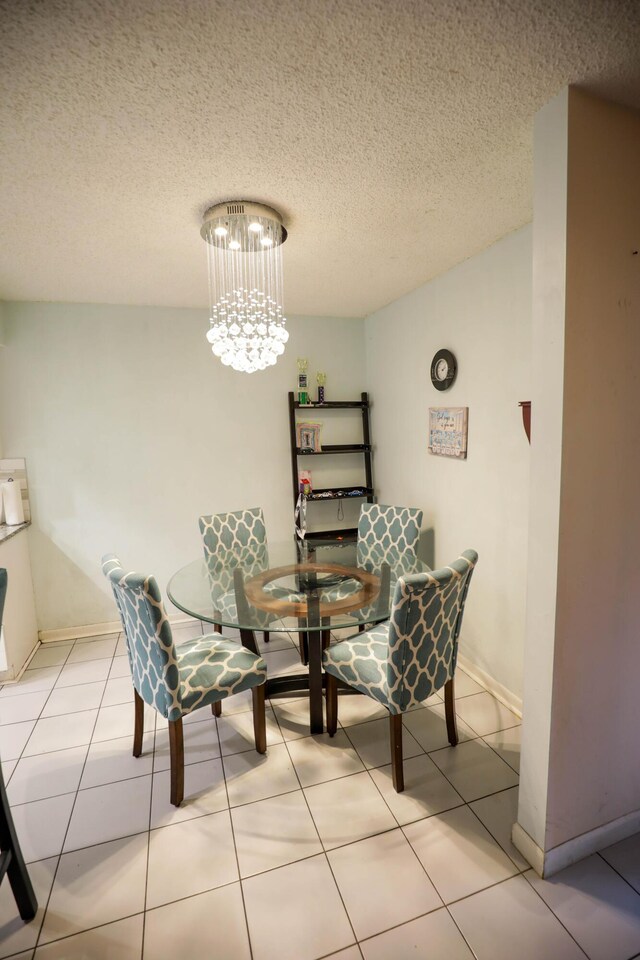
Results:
x,y
244,245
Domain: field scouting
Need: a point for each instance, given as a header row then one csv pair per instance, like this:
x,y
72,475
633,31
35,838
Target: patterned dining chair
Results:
x,y
240,539
177,681
386,534
384,530
404,660
11,860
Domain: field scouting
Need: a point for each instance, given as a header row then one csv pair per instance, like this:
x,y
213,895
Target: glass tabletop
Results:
x,y
293,586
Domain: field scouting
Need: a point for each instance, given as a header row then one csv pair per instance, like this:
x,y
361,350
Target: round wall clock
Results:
x,y
443,369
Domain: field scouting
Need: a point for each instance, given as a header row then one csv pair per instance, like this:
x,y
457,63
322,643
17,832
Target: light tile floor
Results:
x,y
303,854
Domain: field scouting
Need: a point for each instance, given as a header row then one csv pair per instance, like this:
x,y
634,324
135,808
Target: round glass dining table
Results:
x,y
298,588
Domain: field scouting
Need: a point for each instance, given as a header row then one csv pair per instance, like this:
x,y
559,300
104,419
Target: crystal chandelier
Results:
x,y
244,245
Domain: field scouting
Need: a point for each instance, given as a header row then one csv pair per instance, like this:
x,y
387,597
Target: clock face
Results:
x,y
443,369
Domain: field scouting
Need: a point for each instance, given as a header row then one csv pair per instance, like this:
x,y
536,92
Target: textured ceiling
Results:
x,y
393,135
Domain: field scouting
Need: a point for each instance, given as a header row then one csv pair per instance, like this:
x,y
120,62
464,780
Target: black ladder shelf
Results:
x,y
365,491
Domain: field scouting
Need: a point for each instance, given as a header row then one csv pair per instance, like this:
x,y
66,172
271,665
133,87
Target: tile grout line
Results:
x,y
233,837
517,772
622,877
55,875
460,931
39,717
324,850
519,870
78,933
428,913
531,886
146,872
101,843
59,855
467,803
49,693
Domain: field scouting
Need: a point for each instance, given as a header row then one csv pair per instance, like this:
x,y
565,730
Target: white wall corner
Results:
x,y
494,687
528,848
548,324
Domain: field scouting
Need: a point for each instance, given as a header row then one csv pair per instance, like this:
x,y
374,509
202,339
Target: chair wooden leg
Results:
x,y
138,729
332,704
259,718
265,636
176,750
450,712
395,732
217,628
216,708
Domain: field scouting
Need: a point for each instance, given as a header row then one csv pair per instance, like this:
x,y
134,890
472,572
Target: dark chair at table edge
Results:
x,y
11,860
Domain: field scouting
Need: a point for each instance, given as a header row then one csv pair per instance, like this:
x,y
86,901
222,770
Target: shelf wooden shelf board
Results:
x,y
332,405
335,448
340,493
347,535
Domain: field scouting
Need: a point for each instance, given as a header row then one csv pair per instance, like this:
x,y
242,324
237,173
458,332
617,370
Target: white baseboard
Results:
x,y
4,680
489,683
528,848
557,858
97,630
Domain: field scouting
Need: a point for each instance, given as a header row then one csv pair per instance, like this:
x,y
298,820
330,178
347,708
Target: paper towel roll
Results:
x,y
12,499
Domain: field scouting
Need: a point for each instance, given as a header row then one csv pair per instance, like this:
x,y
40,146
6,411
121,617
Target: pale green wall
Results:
x,y
131,429
481,310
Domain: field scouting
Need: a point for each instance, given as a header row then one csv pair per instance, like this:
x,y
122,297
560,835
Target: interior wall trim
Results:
x,y
96,630
557,858
485,680
9,680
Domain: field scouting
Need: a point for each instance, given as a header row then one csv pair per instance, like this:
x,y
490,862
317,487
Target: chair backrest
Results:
x,y
152,655
240,534
3,591
423,630
237,539
386,530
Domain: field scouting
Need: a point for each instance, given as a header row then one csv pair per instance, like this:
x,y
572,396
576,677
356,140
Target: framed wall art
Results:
x,y
448,431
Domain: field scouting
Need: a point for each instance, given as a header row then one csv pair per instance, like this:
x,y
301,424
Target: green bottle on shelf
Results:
x,y
303,385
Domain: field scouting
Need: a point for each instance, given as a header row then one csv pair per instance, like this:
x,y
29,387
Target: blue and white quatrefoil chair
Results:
x,y
384,530
386,534
177,681
404,660
239,539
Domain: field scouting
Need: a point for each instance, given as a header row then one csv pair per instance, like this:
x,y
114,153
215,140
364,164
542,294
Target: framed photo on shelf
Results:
x,y
308,436
448,428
